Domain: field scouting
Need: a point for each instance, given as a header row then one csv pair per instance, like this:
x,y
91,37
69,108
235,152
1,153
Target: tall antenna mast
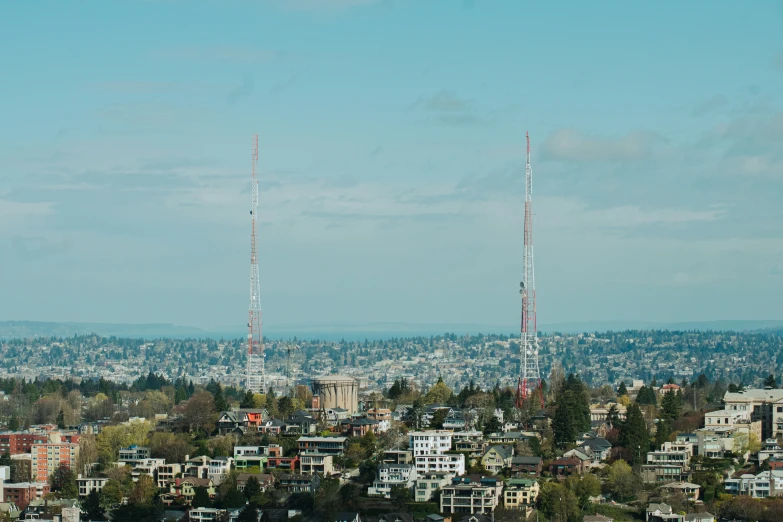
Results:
x,y
530,376
256,378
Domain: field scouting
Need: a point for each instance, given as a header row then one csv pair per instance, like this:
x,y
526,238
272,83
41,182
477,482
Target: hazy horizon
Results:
x,y
391,137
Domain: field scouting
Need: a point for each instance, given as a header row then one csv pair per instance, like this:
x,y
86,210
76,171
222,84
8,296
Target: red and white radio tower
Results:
x,y
256,378
530,376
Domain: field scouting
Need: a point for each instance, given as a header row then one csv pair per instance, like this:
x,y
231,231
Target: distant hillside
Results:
x,y
353,331
25,329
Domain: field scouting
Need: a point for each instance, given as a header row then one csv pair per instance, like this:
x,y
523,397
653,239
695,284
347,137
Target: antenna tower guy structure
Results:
x,y
256,378
530,377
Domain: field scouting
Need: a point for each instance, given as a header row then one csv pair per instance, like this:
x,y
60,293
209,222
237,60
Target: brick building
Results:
x,y
18,442
22,493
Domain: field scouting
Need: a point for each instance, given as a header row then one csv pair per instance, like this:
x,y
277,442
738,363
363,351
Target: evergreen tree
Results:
x,y
61,420
770,382
646,396
613,416
233,499
671,405
572,415
201,498
248,514
220,400
622,390
252,488
248,400
662,432
634,435
91,506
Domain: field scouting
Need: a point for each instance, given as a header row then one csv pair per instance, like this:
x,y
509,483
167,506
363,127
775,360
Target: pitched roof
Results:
x,y
504,450
526,460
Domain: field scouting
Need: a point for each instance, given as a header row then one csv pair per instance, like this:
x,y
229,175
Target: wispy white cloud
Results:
x,y
574,146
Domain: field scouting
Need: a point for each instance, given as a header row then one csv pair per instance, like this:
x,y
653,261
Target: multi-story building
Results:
x,y
383,416
765,406
218,469
429,452
22,493
322,445
134,452
168,472
431,442
90,484
49,456
392,475
17,442
429,484
465,495
311,463
765,484
293,483
250,456
518,492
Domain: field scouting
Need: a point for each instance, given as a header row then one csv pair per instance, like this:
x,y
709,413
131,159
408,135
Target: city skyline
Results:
x,y
391,161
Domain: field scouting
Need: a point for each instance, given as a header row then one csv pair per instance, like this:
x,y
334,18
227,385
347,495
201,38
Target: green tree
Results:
x,y
233,498
613,416
248,514
622,480
558,503
220,399
622,390
252,488
634,435
572,413
770,382
671,406
492,426
662,432
584,486
111,494
63,482
248,400
646,396
438,418
438,394
201,497
91,506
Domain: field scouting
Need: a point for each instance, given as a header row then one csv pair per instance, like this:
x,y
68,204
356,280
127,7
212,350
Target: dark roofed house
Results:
x,y
348,516
396,517
360,427
566,466
527,466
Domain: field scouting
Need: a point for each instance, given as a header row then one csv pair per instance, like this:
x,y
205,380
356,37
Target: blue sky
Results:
x,y
391,158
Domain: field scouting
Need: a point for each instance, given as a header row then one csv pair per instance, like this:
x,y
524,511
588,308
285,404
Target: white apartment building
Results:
x,y
430,442
765,484
429,452
88,485
391,475
218,469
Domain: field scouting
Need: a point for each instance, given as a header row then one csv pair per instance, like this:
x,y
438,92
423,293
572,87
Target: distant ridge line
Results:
x,y
353,331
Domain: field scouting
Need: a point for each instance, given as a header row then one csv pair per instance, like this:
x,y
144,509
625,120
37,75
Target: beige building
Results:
x,y
764,406
311,463
519,493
